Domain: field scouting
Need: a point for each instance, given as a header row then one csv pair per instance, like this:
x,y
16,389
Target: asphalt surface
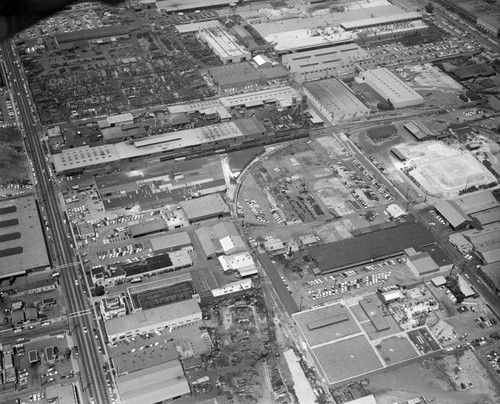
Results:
x,y
91,360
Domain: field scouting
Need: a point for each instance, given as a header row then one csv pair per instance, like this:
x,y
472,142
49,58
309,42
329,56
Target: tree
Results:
x,y
99,290
429,8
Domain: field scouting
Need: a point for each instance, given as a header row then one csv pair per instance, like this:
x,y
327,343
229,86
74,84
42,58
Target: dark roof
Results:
x,y
364,248
381,131
467,72
94,33
8,209
234,74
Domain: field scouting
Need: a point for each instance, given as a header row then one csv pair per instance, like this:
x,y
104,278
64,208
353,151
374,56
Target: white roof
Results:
x,y
230,243
388,19
278,94
237,261
222,42
394,88
395,210
261,60
120,118
233,287
393,295
196,26
439,280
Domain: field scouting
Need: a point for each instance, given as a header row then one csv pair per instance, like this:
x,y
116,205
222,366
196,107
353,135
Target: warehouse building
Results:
x,y
332,98
421,264
175,6
22,241
173,145
224,45
243,263
171,242
222,238
419,130
391,88
206,207
141,229
491,275
380,21
236,77
486,217
370,247
326,62
283,97
116,120
168,383
453,214
157,264
391,32
167,290
486,243
171,316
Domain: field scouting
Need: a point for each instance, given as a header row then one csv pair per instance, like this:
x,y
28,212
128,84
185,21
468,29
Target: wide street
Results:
x,y
93,379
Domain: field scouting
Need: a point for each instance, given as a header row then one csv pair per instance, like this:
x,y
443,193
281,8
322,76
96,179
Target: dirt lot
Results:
x,y
14,167
439,378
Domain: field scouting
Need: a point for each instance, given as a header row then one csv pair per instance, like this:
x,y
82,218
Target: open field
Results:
x,y
14,169
435,378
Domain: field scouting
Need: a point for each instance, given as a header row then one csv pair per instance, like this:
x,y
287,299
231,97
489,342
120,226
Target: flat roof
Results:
x,y
278,94
204,206
336,322
336,97
139,387
151,226
152,317
170,6
222,42
168,241
394,88
424,263
452,213
371,309
196,26
159,284
388,19
22,242
204,280
234,74
125,361
83,156
306,38
347,358
370,246
192,137
325,58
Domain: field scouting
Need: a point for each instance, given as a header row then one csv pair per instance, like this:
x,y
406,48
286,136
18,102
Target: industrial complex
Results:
x,y
251,202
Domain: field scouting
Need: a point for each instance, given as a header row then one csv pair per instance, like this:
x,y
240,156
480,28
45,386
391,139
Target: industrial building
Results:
x,y
482,13
486,217
112,306
156,264
171,316
369,247
23,246
222,238
243,263
283,97
453,214
206,207
391,32
491,275
149,227
178,144
380,21
332,98
224,45
171,242
161,292
116,120
175,6
391,88
486,243
326,62
420,131
236,77
168,383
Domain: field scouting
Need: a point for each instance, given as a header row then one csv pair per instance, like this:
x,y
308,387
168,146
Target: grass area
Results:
x,y
13,161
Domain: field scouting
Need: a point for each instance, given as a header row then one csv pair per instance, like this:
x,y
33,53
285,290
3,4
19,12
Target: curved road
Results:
x,y
91,360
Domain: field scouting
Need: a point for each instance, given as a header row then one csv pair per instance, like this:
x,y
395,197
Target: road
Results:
x,y
93,379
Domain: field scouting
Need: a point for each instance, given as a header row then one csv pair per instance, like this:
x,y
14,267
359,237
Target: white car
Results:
x,y
85,330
